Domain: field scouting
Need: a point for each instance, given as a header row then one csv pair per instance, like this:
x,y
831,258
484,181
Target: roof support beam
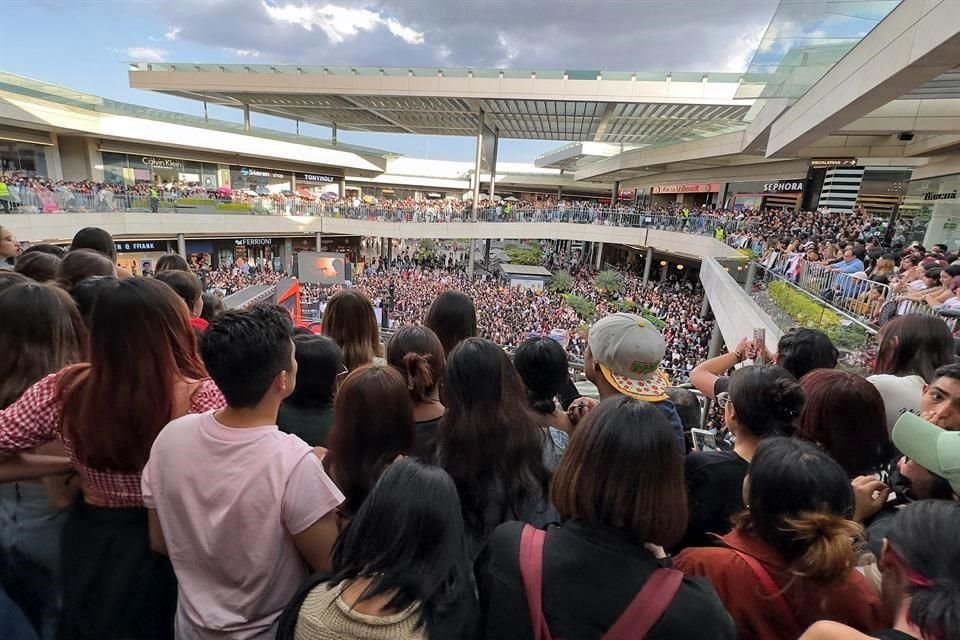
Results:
x,y
378,114
604,122
916,42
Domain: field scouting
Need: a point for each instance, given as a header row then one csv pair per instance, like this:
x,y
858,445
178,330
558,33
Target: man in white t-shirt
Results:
x,y
243,510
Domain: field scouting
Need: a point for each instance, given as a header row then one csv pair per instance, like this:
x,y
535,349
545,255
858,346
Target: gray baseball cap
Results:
x,y
629,350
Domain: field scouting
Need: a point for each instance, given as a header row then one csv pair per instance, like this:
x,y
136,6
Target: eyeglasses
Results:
x,y
723,399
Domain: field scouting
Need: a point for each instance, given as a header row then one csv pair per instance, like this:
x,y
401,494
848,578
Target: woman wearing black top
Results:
x,y
763,401
416,352
619,490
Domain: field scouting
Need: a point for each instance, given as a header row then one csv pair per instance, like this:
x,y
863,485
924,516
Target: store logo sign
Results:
x,y
161,163
950,195
142,245
261,173
253,242
832,163
706,187
783,186
316,177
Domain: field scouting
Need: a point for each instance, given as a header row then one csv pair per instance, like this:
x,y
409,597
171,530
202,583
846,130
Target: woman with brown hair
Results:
x,y
911,348
42,333
372,425
80,264
453,318
843,415
620,495
143,371
791,559
416,352
349,321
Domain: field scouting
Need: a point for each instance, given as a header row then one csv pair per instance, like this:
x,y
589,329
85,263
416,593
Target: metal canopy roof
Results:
x,y
631,108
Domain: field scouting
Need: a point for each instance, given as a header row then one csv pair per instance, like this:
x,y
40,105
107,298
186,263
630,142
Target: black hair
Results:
x,y
244,351
319,362
800,503
933,273
408,539
923,536
947,371
212,306
453,318
185,283
941,246
687,406
953,270
802,350
767,399
542,365
97,239
85,294
171,262
10,279
43,247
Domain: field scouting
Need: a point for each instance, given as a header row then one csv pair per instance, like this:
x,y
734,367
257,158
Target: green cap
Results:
x,y
934,449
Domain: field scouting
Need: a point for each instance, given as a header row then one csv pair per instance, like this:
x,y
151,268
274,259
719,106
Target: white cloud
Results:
x,y
243,53
144,54
172,34
743,48
340,23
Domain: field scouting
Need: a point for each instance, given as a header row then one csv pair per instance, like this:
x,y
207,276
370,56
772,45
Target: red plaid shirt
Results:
x,y
37,418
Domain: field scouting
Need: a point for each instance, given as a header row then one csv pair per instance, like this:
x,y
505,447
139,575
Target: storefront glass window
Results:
x,y
23,157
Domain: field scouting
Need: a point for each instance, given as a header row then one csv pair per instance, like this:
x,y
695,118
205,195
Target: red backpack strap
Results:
x,y
773,591
647,606
531,570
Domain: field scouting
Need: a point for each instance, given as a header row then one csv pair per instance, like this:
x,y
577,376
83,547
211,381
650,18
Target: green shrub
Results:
x,y
809,313
561,282
233,206
196,201
524,255
650,317
608,282
749,253
583,307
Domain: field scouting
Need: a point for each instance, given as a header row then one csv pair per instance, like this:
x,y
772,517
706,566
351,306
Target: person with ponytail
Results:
x,y
921,577
762,401
416,352
791,559
542,365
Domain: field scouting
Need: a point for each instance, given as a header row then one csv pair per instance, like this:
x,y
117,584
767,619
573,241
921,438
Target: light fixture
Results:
x,y
663,263
680,267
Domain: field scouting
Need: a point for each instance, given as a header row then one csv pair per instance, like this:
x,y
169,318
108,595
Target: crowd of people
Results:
x,y
229,475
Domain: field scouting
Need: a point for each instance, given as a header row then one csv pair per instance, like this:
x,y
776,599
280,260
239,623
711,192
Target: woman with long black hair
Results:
x,y
400,570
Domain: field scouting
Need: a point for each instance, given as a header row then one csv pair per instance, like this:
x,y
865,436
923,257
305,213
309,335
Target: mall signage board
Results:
x,y
253,242
161,163
832,163
703,187
783,186
136,246
316,177
949,195
262,173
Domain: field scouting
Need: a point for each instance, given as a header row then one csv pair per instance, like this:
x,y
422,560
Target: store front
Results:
x,y
129,169
776,194
700,194
931,210
254,179
22,157
140,257
317,183
252,252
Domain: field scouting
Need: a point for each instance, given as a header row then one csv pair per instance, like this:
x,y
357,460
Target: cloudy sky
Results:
x,y
83,44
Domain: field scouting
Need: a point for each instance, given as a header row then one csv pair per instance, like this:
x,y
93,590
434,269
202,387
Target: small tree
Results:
x,y
608,282
585,309
426,249
561,282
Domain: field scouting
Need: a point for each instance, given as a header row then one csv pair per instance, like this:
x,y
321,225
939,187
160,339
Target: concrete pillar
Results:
x,y
705,308
664,268
478,161
286,255
94,160
486,253
342,186
493,163
716,342
319,241
52,156
559,193
751,276
615,193
246,117
389,250
599,251
647,263
333,133
470,259
181,246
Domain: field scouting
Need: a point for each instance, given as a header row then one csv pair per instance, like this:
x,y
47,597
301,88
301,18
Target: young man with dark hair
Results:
x,y
236,504
940,403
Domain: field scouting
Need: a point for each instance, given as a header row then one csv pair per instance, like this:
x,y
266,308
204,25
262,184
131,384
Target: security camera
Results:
x,y
906,136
